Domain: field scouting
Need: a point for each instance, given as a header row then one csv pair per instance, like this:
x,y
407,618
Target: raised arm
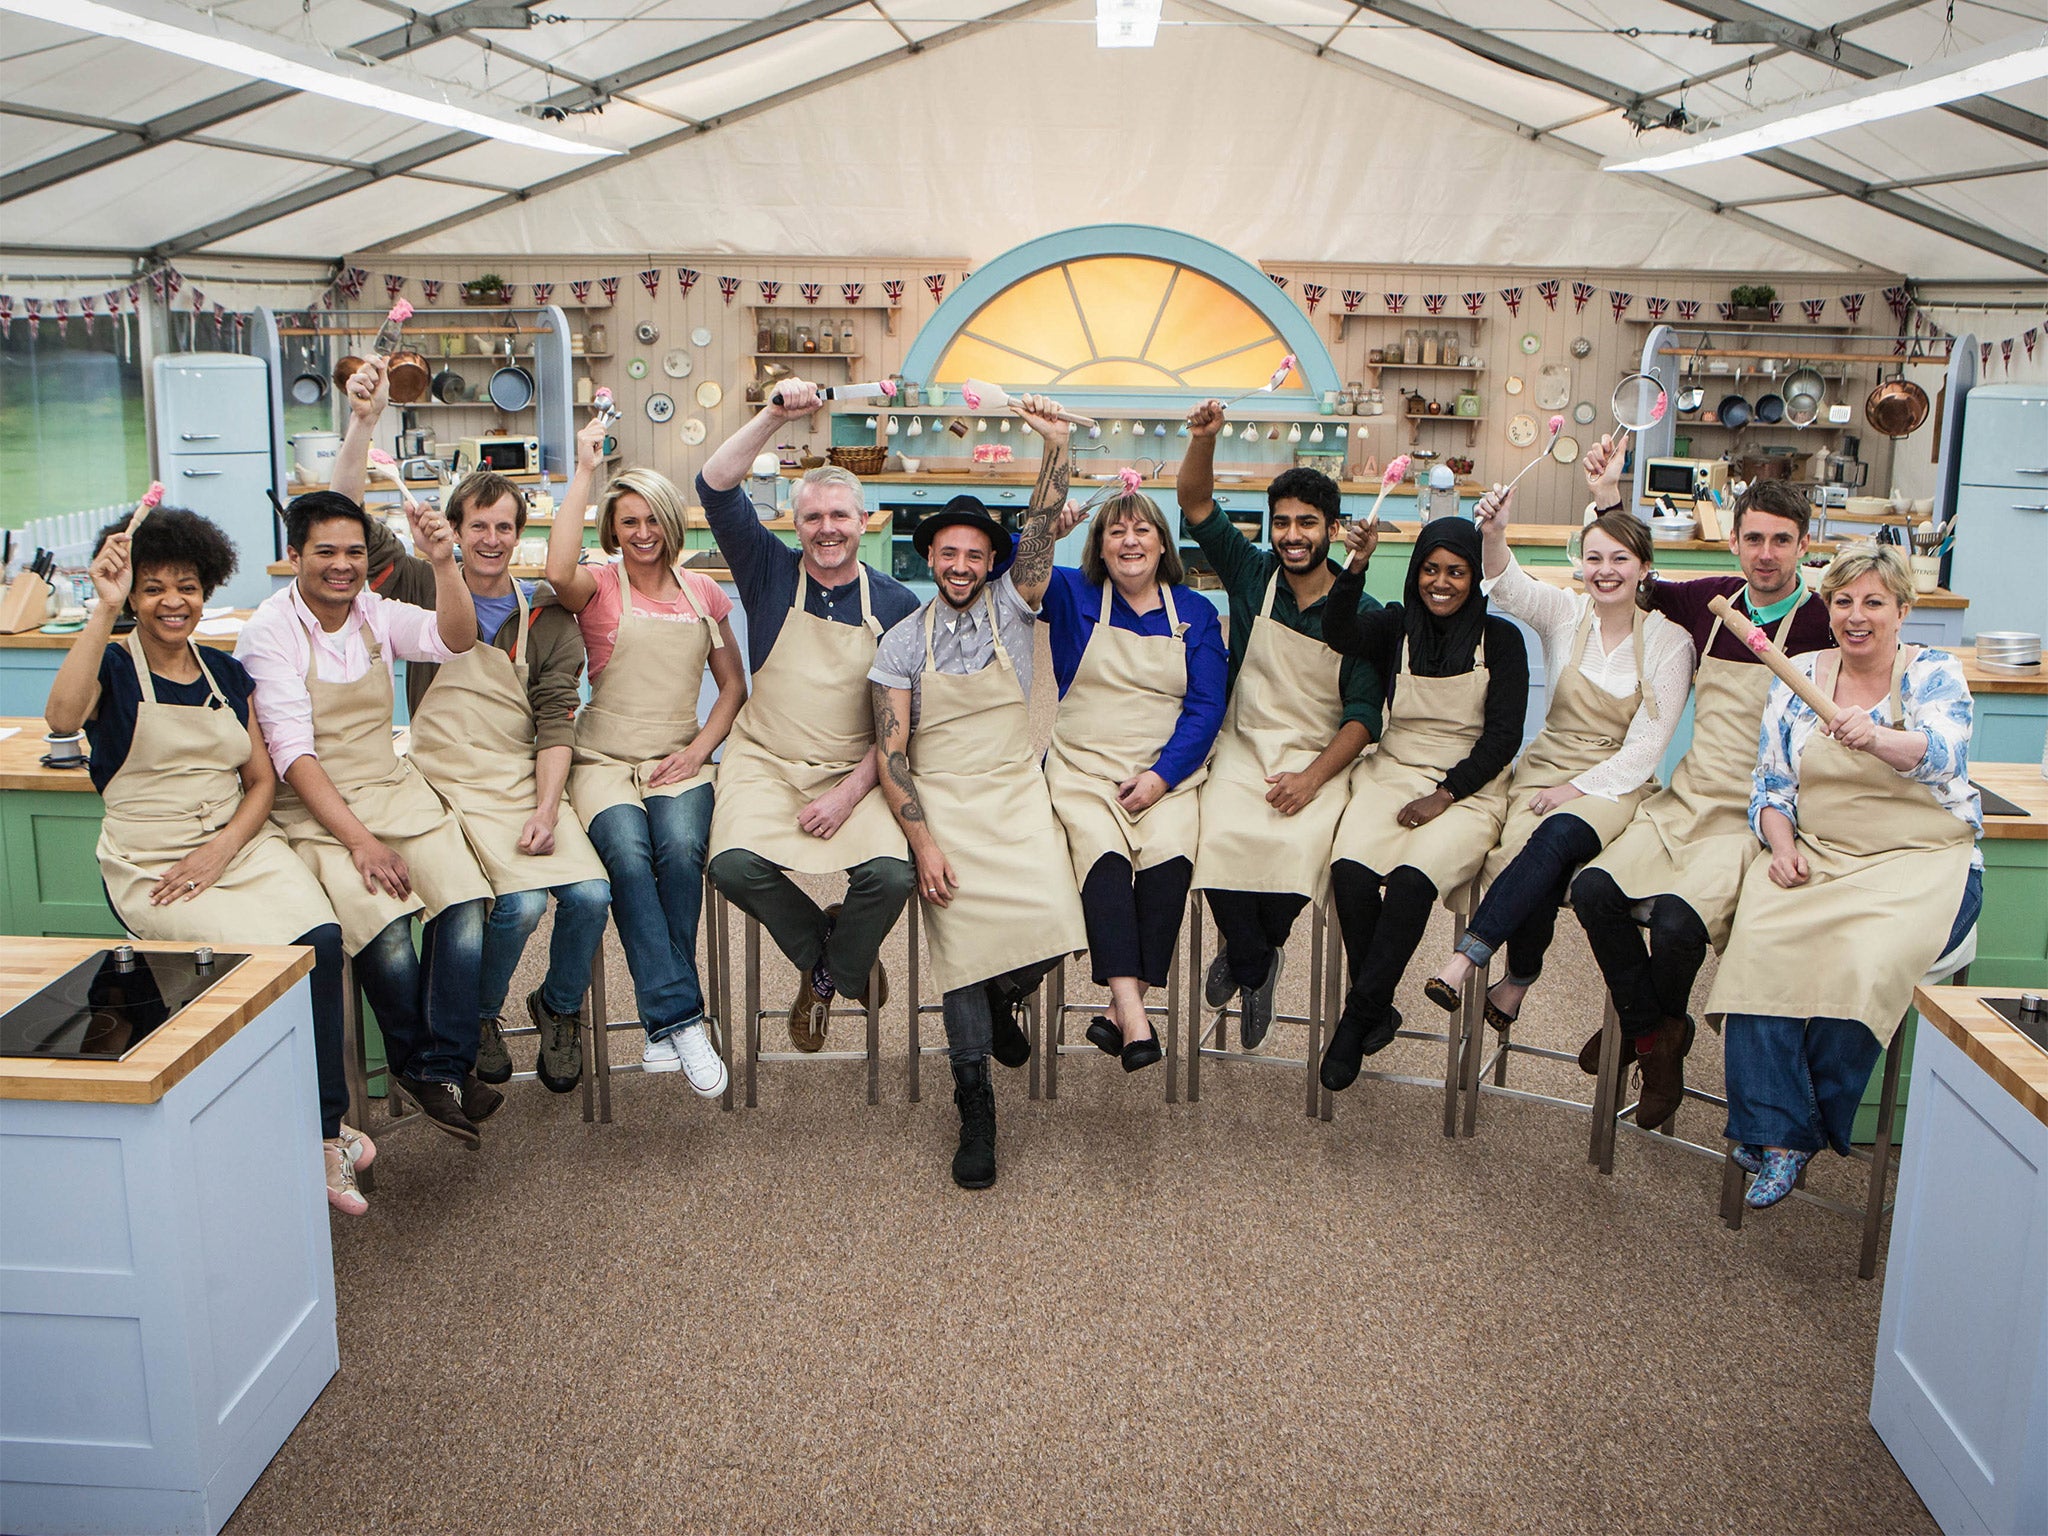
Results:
x,y
1194,485
1491,515
1033,567
369,392
732,459
573,585
1602,464
454,609
75,690
935,878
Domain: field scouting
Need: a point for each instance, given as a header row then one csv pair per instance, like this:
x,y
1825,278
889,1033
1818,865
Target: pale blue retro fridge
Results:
x,y
214,455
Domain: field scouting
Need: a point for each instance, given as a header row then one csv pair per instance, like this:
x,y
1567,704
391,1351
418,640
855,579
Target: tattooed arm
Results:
x,y
936,881
1033,567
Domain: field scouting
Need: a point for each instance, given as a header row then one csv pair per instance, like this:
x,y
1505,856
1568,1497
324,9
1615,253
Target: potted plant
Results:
x,y
488,289
1753,301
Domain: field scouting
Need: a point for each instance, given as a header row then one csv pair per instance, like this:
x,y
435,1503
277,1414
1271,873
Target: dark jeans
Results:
x,y
969,1011
875,893
1253,925
325,942
426,1001
1134,920
580,911
654,853
1520,909
1648,982
1381,931
1797,1083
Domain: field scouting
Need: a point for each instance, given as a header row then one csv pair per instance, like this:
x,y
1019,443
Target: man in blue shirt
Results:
x,y
797,783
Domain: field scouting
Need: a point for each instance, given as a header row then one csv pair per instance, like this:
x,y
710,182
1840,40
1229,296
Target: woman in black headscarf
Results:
x,y
1427,807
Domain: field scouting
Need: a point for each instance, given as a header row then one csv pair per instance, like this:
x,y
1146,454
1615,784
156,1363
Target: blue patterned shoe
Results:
x,y
1780,1172
1748,1156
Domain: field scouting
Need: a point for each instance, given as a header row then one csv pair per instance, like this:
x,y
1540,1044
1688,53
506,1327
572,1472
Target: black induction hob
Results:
x,y
110,1002
2032,1023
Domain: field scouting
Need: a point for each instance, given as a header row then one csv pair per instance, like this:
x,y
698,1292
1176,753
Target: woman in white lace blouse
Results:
x,y
1618,681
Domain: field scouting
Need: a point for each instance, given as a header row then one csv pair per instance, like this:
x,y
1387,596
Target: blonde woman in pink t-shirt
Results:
x,y
642,780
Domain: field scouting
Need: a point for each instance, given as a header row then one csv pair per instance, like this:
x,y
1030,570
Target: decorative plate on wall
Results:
x,y
709,394
692,432
677,364
648,332
1512,384
660,408
637,369
1532,344
700,337
1522,430
1582,348
1554,386
1583,412
1565,450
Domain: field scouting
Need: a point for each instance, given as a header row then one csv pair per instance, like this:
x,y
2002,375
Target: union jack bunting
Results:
x,y
1312,294
1548,290
770,292
1777,310
894,288
1619,300
430,288
1813,309
1278,281
728,287
1898,301
609,286
812,292
935,282
1852,305
2031,335
651,281
1512,297
686,279
580,286
1395,302
1656,307
2005,351
1474,301
542,292
1435,302
1353,297
1688,309
1582,294
34,308
851,292
6,309
1725,310
394,285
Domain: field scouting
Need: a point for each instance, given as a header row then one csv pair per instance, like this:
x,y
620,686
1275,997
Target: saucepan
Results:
x,y
1734,411
511,388
409,377
1896,407
309,386
1770,410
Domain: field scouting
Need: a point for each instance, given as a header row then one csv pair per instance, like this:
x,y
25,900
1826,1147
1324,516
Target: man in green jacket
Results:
x,y
493,732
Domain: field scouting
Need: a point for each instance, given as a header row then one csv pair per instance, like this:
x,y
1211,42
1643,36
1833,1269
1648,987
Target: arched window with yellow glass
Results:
x,y
1121,312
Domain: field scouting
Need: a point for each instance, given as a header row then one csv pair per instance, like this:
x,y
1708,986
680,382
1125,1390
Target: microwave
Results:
x,y
1682,479
506,455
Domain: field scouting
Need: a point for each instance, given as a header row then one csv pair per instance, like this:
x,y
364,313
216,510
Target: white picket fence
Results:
x,y
70,534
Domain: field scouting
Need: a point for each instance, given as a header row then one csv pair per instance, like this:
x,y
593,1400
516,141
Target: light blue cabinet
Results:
x,y
2001,553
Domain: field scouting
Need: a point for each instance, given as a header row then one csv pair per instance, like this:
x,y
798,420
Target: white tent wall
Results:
x,y
1028,128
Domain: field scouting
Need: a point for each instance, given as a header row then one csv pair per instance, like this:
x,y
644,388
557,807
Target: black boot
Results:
x,y
1360,1032
1011,1046
974,1165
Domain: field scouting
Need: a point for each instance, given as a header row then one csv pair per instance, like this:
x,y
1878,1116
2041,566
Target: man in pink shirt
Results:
x,y
322,654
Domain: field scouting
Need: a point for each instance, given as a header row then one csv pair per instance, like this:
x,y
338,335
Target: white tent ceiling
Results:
x,y
1412,131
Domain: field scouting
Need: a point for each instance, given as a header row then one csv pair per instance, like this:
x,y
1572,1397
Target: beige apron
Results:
x,y
180,784
977,777
1583,727
352,738
1286,708
1887,869
1693,839
642,707
1431,725
474,739
1120,710
806,726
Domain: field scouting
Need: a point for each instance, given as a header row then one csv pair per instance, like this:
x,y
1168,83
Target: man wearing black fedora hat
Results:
x,y
960,771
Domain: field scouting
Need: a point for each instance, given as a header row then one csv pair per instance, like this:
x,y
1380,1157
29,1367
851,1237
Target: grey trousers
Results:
x,y
875,893
970,1011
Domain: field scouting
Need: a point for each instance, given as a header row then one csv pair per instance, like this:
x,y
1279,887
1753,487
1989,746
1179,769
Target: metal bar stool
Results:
x,y
1057,1008
598,1023
355,1066
721,967
1034,1015
1325,953
1955,965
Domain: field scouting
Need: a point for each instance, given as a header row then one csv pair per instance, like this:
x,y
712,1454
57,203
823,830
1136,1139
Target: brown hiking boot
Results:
x,y
808,1018
1662,1060
1589,1053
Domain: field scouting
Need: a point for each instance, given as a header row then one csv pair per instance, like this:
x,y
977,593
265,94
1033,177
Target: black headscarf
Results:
x,y
1443,647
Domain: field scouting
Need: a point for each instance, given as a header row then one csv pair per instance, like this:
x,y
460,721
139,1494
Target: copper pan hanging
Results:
x,y
1896,407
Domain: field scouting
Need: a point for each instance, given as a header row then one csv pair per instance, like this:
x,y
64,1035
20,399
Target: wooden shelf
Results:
x,y
1429,367
1340,325
807,356
1800,326
1415,422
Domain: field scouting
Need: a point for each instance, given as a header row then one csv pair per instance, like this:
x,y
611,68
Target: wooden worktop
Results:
x,y
2022,784
165,1057
1983,679
36,640
2017,1065
21,759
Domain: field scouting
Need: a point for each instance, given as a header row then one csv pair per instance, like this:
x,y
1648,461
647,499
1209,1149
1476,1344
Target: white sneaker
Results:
x,y
661,1056
701,1061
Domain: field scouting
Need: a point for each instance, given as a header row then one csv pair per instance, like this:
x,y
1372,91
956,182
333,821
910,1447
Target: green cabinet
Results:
x,y
50,884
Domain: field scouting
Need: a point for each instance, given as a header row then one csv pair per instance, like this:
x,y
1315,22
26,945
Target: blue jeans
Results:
x,y
327,1025
1520,909
1797,1083
580,910
426,1001
654,853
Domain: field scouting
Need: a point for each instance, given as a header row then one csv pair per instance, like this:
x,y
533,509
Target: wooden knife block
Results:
x,y
25,604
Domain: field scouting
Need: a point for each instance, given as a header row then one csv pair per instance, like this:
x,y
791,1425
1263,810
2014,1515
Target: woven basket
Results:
x,y
862,461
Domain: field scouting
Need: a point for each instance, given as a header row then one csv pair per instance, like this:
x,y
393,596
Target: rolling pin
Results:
x,y
1753,636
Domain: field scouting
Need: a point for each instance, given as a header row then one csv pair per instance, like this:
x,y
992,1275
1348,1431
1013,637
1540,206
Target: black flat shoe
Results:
x,y
1105,1036
1502,1020
1140,1054
1381,1035
1442,993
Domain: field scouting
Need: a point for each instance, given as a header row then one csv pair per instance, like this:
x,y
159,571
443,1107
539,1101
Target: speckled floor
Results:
x,y
1210,1317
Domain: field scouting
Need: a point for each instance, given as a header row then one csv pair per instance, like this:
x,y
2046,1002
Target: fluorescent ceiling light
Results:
x,y
1126,23
1994,67
208,38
